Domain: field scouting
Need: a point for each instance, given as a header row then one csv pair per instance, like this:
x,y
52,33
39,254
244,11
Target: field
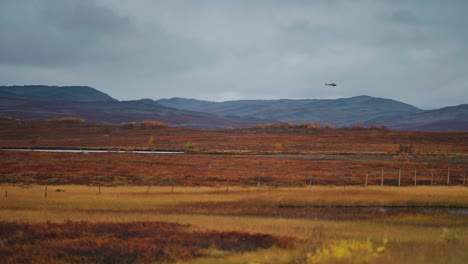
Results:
x,y
276,194
298,225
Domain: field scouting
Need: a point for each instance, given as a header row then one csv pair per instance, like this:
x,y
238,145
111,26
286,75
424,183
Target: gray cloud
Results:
x,y
85,34
414,51
55,33
404,16
84,17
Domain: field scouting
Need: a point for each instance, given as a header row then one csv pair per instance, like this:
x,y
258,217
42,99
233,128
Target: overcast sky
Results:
x,y
412,51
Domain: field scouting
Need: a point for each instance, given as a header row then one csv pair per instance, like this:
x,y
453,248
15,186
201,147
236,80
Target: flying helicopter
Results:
x,y
331,84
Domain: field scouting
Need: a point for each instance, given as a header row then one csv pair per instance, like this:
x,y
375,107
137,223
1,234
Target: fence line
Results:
x,y
415,177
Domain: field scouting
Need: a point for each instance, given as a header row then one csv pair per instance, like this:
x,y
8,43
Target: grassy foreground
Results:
x,y
296,225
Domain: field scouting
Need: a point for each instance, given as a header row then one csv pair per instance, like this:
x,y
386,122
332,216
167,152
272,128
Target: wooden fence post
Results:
x,y
45,193
367,175
464,175
432,176
415,173
6,194
381,181
259,173
399,177
448,176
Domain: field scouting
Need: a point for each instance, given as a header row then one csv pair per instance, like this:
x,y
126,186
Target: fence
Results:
x,y
411,177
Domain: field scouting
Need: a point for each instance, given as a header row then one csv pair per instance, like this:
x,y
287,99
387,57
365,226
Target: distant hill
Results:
x,y
453,118
55,93
345,112
42,102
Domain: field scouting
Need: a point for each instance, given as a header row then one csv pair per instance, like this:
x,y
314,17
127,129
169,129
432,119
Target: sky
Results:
x,y
411,51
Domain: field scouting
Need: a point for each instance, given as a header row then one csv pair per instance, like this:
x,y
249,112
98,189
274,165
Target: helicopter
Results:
x,y
331,84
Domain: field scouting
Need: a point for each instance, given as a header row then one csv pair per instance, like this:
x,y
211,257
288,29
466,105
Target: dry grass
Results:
x,y
332,224
297,140
136,198
413,237
111,169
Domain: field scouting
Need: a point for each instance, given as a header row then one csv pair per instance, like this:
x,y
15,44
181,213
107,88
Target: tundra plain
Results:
x,y
270,194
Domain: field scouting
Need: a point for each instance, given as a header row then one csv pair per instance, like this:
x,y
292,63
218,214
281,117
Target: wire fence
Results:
x,y
400,177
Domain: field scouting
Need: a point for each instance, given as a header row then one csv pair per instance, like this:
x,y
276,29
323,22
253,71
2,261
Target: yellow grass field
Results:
x,y
328,224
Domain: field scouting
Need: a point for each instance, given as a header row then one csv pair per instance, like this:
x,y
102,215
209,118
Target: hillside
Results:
x,y
343,112
44,102
453,118
55,93
115,112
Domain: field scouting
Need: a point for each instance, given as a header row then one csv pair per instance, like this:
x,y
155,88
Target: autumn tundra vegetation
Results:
x,y
273,193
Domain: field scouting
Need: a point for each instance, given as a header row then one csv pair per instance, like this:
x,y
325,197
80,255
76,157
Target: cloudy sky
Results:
x,y
412,51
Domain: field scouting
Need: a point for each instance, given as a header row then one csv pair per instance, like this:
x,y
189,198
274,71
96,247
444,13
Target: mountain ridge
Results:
x,y
450,118
343,111
98,107
42,102
54,93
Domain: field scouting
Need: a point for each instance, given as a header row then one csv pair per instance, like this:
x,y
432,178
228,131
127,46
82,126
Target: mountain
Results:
x,y
55,93
345,112
453,118
44,102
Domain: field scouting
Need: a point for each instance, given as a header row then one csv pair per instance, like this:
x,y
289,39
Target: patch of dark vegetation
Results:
x,y
264,208
142,242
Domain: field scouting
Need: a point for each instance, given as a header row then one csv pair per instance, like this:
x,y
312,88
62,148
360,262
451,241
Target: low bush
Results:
x,y
86,242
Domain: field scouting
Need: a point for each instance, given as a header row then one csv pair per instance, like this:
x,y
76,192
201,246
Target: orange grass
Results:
x,y
248,210
212,170
298,140
217,195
